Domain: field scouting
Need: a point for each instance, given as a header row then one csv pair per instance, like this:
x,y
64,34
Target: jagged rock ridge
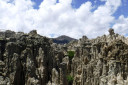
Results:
x,y
31,59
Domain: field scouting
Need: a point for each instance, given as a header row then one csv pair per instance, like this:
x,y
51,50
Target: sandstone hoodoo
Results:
x,y
32,59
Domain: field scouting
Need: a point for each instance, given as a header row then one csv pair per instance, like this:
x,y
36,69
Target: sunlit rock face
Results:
x,y
32,59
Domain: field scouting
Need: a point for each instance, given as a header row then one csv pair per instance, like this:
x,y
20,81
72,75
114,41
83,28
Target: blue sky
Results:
x,y
73,18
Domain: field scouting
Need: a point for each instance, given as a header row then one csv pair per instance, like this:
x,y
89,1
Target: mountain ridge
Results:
x,y
63,39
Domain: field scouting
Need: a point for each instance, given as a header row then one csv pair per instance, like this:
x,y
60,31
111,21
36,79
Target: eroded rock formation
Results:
x,y
31,59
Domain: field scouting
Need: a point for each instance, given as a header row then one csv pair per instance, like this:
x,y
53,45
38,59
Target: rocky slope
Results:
x,y
31,59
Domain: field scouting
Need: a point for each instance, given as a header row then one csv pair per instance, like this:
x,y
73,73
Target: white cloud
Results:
x,y
121,25
57,18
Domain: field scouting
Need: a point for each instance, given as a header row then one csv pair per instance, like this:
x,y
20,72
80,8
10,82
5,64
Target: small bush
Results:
x,y
71,54
1,38
69,79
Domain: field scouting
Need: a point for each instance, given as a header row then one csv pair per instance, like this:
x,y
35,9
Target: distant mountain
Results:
x,y
62,39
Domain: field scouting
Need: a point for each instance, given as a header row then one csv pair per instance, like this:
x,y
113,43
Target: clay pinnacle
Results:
x,y
111,31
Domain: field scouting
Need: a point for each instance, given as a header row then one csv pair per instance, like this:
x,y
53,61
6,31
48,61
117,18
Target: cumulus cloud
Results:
x,y
58,18
121,25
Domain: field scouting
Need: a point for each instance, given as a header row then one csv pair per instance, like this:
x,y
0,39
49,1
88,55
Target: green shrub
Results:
x,y
71,54
69,79
1,38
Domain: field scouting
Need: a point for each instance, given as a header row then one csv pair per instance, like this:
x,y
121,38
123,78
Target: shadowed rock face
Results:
x,y
19,78
31,59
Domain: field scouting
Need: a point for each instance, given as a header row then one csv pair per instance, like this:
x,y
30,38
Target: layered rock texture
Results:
x,y
32,59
